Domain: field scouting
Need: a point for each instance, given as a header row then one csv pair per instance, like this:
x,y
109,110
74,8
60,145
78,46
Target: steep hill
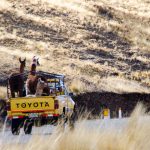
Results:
x,y
99,45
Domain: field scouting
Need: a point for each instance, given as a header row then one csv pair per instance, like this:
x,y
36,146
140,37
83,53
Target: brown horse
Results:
x,y
16,80
32,80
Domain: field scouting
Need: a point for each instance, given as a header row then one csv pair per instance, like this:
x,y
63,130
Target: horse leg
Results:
x,y
27,88
20,90
12,94
20,93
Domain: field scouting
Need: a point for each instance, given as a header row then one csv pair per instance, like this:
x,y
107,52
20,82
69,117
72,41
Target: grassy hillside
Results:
x,y
99,45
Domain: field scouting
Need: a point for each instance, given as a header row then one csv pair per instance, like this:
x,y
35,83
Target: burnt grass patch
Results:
x,y
95,102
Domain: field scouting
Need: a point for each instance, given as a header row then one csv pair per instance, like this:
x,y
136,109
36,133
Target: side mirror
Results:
x,y
71,94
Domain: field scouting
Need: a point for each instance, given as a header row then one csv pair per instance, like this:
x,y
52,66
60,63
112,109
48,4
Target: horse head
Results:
x,y
22,64
35,60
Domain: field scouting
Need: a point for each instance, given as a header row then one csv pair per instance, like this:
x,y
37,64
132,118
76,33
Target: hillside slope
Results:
x,y
99,45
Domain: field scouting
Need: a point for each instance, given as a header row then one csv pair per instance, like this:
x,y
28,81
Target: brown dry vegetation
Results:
x,y
3,92
96,43
133,135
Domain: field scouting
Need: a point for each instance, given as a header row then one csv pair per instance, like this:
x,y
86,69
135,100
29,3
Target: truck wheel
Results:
x,y
72,120
28,126
44,121
62,122
15,126
54,121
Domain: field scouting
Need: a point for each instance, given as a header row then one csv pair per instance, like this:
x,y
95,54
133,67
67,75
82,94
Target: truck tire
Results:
x,y
62,120
71,123
28,126
15,126
73,119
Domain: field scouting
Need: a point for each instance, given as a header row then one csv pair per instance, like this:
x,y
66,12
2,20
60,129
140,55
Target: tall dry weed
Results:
x,y
134,134
3,92
77,86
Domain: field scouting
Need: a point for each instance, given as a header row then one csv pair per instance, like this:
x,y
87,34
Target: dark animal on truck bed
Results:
x,y
16,80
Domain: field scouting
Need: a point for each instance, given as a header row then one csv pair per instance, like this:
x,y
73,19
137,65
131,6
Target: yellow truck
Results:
x,y
25,111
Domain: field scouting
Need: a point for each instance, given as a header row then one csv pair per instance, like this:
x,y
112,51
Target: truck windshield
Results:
x,y
56,88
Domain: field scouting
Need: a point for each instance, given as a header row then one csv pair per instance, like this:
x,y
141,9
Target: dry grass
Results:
x,y
134,135
3,92
131,20
77,86
120,85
